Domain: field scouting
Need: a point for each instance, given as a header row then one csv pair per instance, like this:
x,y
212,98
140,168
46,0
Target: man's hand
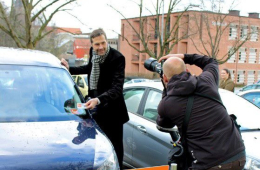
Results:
x,y
65,63
181,56
91,104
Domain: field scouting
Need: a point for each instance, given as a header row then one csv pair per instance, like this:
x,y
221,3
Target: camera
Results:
x,y
152,64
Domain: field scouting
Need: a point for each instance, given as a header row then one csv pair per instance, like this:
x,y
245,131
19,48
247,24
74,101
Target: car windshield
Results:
x,y
31,93
248,115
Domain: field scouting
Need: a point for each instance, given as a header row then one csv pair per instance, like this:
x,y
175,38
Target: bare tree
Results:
x,y
20,24
212,26
167,36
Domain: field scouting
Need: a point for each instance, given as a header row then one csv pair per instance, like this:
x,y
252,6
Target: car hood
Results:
x,y
252,143
52,145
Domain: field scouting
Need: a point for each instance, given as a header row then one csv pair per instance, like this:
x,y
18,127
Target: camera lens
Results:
x,y
151,64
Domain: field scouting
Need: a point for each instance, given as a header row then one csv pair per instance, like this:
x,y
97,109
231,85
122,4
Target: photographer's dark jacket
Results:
x,y
211,136
112,109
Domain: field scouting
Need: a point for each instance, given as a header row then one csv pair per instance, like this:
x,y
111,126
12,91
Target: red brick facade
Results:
x,y
244,64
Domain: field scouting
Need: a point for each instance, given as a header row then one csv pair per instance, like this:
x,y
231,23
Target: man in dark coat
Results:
x,y
106,73
213,141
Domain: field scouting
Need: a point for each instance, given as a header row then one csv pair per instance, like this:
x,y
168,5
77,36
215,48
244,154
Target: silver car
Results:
x,y
145,146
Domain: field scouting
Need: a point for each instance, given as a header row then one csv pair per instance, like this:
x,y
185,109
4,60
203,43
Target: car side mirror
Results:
x,y
69,104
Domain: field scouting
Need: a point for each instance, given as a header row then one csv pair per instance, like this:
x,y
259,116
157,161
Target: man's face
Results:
x,y
99,45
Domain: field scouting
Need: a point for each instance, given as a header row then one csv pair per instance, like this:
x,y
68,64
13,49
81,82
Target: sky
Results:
x,y
93,14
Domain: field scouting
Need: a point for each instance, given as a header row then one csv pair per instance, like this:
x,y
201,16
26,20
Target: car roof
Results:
x,y
18,56
159,86
156,85
248,91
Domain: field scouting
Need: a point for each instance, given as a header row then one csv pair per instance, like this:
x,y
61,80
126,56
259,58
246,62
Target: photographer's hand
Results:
x,y
181,56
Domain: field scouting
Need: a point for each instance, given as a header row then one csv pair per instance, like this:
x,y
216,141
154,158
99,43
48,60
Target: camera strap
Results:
x,y
186,162
211,98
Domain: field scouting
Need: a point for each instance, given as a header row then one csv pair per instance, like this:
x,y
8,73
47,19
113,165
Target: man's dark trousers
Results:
x,y
115,134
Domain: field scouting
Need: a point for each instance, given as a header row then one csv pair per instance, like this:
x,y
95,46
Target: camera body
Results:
x,y
152,64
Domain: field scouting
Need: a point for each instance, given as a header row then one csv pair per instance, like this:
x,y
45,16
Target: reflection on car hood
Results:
x,y
252,143
50,145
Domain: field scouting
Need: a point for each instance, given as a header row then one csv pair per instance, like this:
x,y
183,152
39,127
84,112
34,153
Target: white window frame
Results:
x,y
243,32
242,55
233,58
252,56
254,33
232,32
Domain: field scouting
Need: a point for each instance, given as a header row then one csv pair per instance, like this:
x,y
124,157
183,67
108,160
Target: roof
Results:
x,y
18,56
82,42
69,30
156,85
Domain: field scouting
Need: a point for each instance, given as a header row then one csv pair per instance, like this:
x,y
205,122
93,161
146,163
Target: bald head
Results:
x,y
173,66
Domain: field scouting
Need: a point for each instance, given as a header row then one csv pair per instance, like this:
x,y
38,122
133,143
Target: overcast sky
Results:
x,y
97,14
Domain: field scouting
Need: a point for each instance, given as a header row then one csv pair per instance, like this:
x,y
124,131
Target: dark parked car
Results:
x,y
146,146
41,125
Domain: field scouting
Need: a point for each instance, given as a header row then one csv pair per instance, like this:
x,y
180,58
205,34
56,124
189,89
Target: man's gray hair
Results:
x,y
96,33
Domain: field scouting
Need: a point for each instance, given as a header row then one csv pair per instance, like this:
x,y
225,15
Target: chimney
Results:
x,y
234,12
253,15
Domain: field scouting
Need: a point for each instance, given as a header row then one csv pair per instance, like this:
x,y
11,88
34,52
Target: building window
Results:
x,y
258,77
232,58
252,55
243,32
232,73
242,55
123,32
254,33
155,49
233,32
155,29
240,76
250,77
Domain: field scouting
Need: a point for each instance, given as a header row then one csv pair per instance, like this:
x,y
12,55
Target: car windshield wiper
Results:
x,y
249,130
16,121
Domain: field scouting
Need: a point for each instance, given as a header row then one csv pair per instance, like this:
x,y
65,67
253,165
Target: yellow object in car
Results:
x,y
82,83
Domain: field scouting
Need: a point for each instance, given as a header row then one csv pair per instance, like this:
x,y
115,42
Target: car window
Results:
x,y
73,77
80,82
253,97
150,109
133,98
30,93
257,87
86,79
249,87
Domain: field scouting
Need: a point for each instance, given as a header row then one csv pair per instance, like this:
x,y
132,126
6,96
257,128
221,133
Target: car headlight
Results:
x,y
252,164
110,163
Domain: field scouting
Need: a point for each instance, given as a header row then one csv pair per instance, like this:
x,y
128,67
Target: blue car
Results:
x,y
42,123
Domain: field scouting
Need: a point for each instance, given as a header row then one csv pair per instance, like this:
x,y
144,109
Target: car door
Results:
x,y
151,145
133,98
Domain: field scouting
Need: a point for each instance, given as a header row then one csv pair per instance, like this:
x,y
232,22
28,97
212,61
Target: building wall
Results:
x,y
245,67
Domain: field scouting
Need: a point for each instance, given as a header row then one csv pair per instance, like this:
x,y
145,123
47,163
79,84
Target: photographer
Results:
x,y
212,140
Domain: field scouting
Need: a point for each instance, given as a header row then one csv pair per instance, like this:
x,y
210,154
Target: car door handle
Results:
x,y
141,128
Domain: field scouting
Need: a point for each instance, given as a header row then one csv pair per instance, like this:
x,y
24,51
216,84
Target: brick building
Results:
x,y
244,64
